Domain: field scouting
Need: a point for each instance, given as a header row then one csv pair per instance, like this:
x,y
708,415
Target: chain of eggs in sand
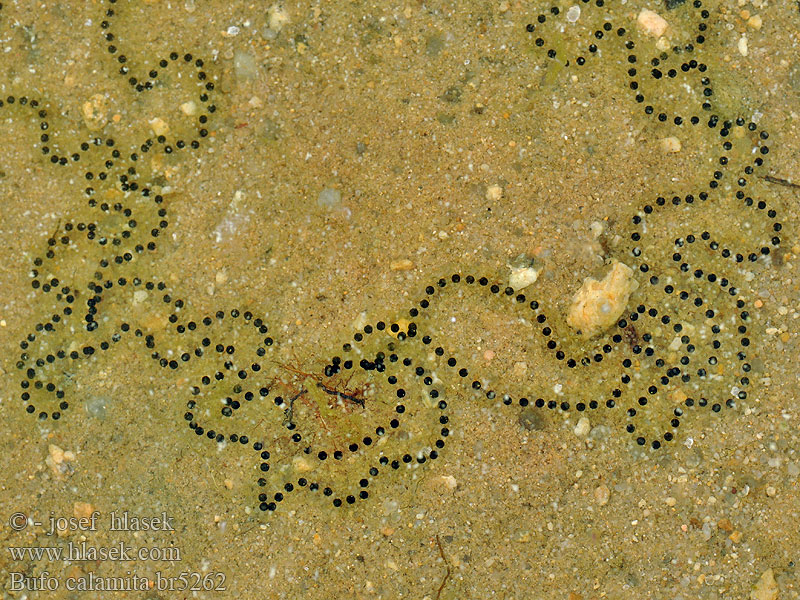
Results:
x,y
332,437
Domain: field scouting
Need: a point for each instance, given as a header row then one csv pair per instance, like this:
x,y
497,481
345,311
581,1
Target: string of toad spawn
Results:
x,y
381,404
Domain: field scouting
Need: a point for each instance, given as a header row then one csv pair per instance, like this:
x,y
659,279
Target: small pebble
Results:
x,y
494,192
766,588
448,482
159,126
329,198
771,491
60,461
189,108
574,13
652,23
583,427
244,65
277,17
670,501
524,272
82,510
670,145
402,264
95,112
602,494
742,46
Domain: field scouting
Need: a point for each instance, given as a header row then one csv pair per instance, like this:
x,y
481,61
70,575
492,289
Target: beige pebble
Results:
x,y
522,277
583,427
277,17
82,510
602,494
361,321
755,22
221,276
94,112
56,454
189,108
139,296
59,460
448,482
735,536
228,483
742,46
771,491
402,264
524,272
651,23
678,396
670,145
488,355
520,370
301,465
494,192
663,43
766,588
670,501
159,126
598,304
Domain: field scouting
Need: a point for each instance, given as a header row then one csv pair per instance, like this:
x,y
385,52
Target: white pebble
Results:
x,y
742,45
494,192
522,278
602,494
583,427
670,145
189,108
277,17
159,126
574,13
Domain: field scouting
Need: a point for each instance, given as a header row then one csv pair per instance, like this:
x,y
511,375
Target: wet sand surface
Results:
x,y
357,154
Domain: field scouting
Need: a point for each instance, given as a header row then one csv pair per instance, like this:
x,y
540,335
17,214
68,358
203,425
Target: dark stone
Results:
x,y
531,419
673,3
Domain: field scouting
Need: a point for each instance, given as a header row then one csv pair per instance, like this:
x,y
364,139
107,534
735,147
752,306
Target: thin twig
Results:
x,y
779,181
447,565
342,395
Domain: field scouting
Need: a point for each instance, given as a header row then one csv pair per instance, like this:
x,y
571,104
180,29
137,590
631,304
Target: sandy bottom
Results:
x,y
358,154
